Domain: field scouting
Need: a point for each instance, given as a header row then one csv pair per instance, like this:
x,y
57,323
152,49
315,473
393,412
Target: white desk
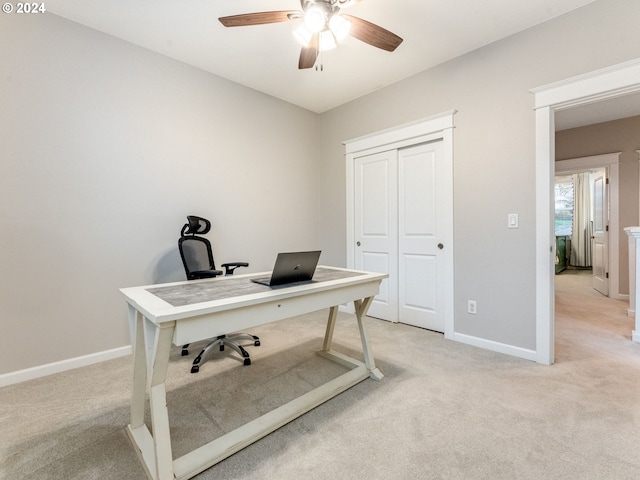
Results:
x,y
185,312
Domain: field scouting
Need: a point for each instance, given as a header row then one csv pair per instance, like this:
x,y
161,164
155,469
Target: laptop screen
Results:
x,y
292,267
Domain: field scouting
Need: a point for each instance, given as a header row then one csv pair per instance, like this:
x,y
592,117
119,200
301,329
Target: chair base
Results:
x,y
221,342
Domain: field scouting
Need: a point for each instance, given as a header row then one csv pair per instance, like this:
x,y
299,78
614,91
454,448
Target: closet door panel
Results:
x,y
420,264
376,227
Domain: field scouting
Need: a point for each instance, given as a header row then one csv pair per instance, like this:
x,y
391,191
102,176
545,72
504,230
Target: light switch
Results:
x,y
512,220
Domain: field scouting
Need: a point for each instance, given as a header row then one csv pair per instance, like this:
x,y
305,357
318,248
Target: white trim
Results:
x,y
611,162
495,346
62,366
427,129
545,241
408,132
633,234
638,152
591,87
585,163
599,85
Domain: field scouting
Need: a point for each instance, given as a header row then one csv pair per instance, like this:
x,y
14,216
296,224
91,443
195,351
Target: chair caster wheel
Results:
x,y
247,361
195,369
256,343
185,352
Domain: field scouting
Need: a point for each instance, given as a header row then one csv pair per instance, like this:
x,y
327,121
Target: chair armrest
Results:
x,y
230,267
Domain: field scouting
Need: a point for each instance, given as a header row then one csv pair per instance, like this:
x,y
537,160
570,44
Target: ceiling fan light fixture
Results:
x,y
326,41
321,26
303,35
315,19
340,27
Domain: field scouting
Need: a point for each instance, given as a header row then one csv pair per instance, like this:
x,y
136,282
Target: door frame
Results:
x,y
611,163
438,127
599,85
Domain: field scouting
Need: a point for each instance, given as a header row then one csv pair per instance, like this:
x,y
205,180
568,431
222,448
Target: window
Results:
x,y
564,207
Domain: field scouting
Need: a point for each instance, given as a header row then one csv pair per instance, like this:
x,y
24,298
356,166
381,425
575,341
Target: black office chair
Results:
x,y
197,258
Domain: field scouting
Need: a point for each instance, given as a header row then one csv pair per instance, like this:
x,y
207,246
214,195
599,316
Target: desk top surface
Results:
x,y
174,300
192,293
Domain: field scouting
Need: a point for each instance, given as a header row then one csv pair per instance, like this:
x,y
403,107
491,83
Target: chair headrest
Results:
x,y
196,225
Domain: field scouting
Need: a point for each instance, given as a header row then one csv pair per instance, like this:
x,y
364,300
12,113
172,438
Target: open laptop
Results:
x,y
290,268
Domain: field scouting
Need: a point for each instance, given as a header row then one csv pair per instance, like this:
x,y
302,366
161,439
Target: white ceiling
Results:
x,y
265,57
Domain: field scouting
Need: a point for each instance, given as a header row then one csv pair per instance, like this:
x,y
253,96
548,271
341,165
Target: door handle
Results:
x,y
440,246
358,244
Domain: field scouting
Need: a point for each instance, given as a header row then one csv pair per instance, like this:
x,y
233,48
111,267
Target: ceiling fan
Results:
x,y
323,26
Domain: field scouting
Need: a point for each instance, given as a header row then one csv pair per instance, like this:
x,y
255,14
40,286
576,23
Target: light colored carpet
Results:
x,y
443,411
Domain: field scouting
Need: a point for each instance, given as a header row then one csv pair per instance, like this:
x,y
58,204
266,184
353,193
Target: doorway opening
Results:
x,y
574,223
593,239
609,83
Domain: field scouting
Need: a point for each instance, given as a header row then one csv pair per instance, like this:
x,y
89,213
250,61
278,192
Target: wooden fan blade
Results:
x,y
309,54
372,34
258,18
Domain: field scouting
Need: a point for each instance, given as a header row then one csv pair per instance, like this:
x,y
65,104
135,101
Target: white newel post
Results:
x,y
634,270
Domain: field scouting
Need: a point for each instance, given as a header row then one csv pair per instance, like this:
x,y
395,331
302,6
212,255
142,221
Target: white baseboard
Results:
x,y
635,336
480,342
495,346
62,366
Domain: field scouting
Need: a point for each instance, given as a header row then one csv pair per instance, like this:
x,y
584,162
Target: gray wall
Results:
x,y
105,148
493,154
609,137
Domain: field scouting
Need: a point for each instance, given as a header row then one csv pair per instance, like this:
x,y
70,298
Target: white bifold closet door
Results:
x,y
397,221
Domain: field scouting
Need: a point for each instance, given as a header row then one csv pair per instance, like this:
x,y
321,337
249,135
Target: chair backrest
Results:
x,y
195,251
195,225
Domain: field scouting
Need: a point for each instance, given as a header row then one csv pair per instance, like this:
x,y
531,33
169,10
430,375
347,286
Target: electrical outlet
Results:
x,y
472,307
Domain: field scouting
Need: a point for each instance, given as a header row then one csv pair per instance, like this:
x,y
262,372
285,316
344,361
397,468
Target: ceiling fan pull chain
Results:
x,y
320,62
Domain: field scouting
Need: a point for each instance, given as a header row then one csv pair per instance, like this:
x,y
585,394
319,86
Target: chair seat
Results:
x,y
204,274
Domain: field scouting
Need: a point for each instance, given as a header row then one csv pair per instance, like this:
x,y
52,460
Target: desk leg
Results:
x,y
152,345
331,323
158,402
361,307
139,369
